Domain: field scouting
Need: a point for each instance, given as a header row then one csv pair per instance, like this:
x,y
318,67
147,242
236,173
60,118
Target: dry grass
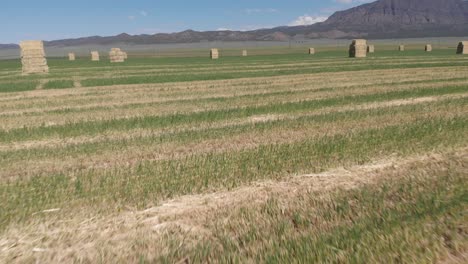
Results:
x,y
130,154
327,160
60,236
64,106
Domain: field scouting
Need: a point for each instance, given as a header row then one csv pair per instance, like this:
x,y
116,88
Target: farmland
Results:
x,y
267,158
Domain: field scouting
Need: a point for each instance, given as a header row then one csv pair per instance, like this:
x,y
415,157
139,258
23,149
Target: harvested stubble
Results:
x,y
71,56
33,57
401,48
358,48
116,55
214,53
252,148
428,48
462,48
94,56
244,53
370,49
311,51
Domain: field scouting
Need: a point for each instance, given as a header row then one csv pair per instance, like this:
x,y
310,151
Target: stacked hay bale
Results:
x,y
94,56
358,48
462,48
116,55
71,56
214,54
244,53
311,51
125,55
401,48
33,57
370,49
428,48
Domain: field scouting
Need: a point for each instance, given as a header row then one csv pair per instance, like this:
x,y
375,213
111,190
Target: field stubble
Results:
x,y
295,162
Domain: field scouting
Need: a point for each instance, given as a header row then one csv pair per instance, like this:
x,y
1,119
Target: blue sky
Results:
x,y
57,19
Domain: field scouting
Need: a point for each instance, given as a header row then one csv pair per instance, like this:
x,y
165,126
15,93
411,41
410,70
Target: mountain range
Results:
x,y
377,20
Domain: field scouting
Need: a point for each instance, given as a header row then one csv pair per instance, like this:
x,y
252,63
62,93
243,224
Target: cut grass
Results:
x,y
149,182
17,87
58,84
236,94
272,129
419,218
400,209
191,69
97,127
234,75
78,165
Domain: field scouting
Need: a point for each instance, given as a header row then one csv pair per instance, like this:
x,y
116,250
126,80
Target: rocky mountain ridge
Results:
x,y
377,20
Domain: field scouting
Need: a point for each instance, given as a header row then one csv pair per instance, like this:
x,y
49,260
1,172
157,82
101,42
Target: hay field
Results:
x,y
269,158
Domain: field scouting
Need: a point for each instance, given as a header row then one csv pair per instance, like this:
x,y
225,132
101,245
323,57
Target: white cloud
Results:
x,y
143,13
223,29
307,20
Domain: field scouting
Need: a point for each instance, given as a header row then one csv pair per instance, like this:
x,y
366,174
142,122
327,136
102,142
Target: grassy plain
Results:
x,y
268,158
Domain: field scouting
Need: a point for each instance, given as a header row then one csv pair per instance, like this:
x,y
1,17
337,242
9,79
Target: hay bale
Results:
x,y
33,57
244,53
214,54
370,49
462,48
401,48
116,55
358,48
94,56
311,51
71,56
428,48
125,55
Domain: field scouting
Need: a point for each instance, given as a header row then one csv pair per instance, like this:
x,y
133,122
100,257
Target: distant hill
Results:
x,y
404,18
378,20
8,46
401,13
